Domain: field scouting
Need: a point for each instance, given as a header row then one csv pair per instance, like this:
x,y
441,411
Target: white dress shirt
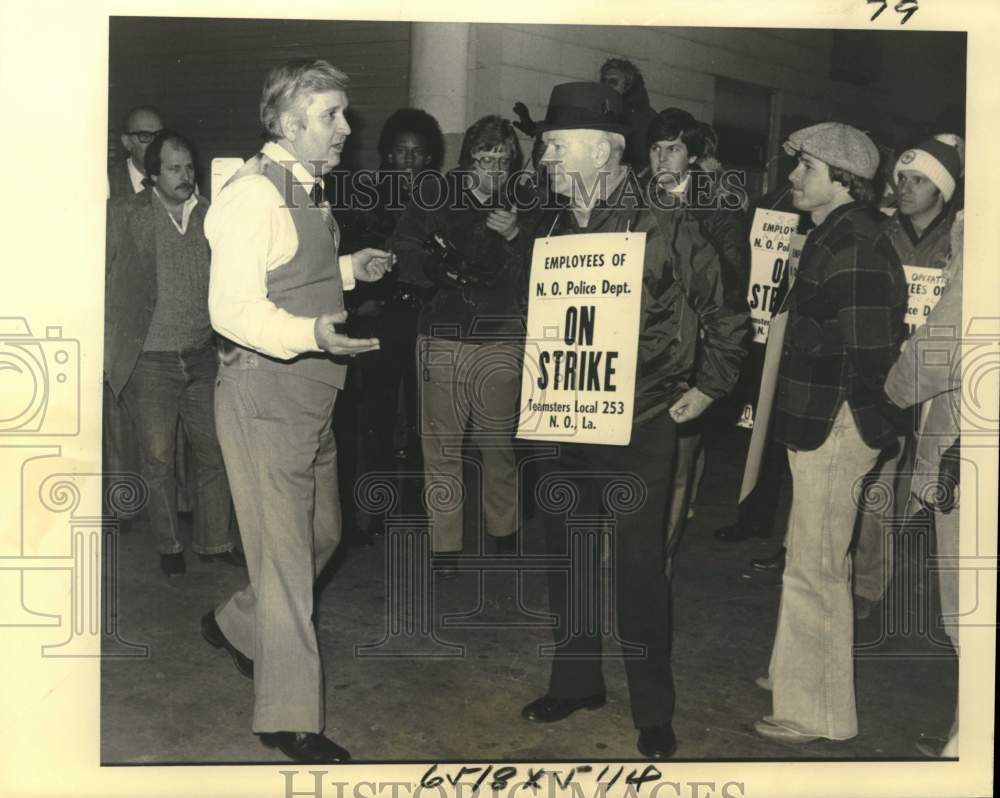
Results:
x,y
251,232
189,205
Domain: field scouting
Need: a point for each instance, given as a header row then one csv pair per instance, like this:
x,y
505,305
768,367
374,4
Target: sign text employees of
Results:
x,y
770,243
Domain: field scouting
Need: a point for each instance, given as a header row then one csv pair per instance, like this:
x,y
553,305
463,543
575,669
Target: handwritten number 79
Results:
x,y
905,7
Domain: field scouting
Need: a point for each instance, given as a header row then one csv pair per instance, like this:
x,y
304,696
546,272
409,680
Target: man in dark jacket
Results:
x,y
845,325
676,141
159,353
139,127
682,296
120,446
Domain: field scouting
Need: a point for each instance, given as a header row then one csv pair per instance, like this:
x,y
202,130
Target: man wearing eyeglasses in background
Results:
x,y
120,446
140,126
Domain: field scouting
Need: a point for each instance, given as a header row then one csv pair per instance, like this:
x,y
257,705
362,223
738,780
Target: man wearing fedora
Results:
x,y
845,324
583,132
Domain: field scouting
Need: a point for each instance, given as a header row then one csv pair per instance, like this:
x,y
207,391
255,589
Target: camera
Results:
x,y
39,381
454,269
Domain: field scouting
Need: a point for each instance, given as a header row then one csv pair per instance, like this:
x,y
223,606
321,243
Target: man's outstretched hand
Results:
x,y
329,340
370,264
691,405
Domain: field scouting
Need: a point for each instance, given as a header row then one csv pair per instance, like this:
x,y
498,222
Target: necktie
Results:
x,y
316,193
319,201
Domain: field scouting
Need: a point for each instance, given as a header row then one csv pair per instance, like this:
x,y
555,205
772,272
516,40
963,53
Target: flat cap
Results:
x,y
837,144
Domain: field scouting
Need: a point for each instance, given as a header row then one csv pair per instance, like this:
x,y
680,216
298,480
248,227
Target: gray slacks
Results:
x,y
277,441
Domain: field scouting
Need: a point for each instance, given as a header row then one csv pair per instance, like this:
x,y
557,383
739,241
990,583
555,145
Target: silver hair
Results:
x,y
617,143
289,85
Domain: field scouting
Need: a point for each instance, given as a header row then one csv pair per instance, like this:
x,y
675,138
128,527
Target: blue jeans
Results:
x,y
812,664
164,388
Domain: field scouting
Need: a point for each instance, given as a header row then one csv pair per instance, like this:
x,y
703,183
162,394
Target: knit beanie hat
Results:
x,y
938,159
958,143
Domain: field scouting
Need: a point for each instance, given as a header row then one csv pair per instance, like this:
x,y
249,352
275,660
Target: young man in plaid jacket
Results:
x,y
845,326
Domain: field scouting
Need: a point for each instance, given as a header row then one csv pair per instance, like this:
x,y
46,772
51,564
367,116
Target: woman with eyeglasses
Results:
x,y
462,238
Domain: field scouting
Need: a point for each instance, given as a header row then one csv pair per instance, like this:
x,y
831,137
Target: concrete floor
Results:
x,y
185,703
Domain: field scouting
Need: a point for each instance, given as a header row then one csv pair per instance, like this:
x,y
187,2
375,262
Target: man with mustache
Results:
x,y
159,354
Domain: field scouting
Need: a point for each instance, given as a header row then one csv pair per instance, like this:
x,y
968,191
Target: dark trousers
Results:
x,y
167,387
759,509
640,591
382,374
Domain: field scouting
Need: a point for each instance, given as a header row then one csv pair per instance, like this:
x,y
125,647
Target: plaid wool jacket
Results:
x,y
845,326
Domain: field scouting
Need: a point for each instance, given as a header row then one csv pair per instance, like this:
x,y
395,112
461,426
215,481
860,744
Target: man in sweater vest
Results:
x,y
276,294
159,353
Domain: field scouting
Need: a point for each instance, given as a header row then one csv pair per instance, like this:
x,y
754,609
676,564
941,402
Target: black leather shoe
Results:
x,y
657,742
172,564
776,562
233,557
213,634
305,746
739,532
548,710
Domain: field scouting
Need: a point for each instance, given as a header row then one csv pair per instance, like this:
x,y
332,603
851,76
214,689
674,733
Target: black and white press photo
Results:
x,y
526,404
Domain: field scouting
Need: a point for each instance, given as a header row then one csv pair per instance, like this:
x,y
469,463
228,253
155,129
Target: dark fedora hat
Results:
x,y
584,106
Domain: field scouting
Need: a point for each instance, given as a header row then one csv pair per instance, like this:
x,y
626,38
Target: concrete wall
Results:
x,y
206,75
918,76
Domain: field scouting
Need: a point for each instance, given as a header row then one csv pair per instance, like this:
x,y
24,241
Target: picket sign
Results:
x,y
582,344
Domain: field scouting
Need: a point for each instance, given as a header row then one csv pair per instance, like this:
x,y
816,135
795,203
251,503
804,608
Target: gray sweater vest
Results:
x,y
309,284
180,319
